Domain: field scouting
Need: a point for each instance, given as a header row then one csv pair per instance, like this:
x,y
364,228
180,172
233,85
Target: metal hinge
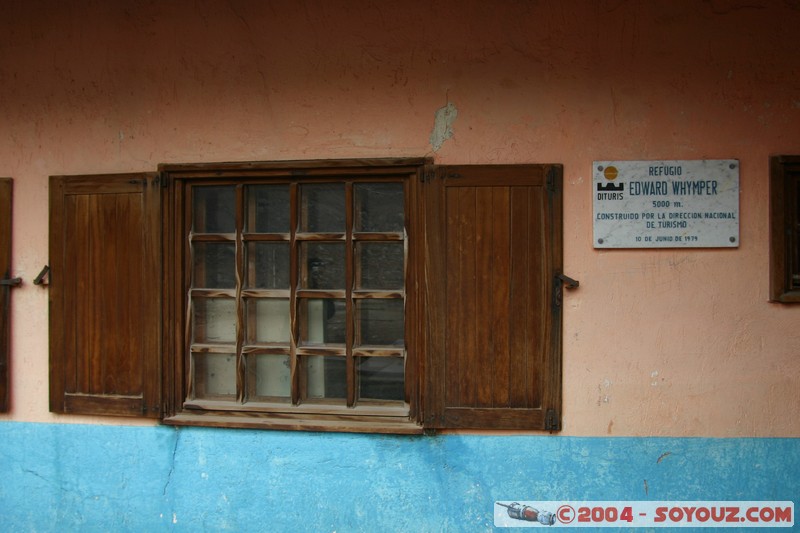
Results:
x,y
551,420
161,179
551,179
560,280
153,409
428,173
568,281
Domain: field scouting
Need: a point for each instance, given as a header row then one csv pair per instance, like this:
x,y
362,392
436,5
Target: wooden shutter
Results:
x,y
5,290
492,253
105,294
785,228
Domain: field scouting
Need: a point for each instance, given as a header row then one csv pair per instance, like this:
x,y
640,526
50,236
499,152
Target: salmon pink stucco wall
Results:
x,y
678,342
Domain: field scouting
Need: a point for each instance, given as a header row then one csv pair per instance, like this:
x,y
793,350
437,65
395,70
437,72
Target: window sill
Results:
x,y
788,297
298,422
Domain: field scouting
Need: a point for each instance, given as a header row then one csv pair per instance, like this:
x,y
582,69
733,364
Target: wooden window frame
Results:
x,y
182,409
784,212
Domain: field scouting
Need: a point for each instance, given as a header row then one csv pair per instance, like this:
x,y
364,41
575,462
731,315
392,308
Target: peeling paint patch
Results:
x,y
443,125
603,391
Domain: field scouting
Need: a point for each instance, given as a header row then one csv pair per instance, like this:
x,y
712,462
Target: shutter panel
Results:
x,y
493,249
105,294
784,212
6,186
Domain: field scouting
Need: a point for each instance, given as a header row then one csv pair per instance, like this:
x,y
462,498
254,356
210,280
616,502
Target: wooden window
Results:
x,y
104,295
494,251
785,229
381,295
6,185
293,295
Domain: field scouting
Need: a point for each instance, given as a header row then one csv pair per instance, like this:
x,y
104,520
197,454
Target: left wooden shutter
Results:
x,y
105,294
6,186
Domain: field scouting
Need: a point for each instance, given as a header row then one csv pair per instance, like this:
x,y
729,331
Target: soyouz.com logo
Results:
x,y
652,514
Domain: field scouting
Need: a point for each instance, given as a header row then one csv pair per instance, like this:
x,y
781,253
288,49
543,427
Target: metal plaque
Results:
x,y
666,204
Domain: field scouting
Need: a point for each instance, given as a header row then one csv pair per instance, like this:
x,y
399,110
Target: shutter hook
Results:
x,y
40,278
568,281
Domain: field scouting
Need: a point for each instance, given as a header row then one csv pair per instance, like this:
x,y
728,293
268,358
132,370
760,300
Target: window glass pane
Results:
x,y
273,313
379,207
268,208
323,265
270,376
380,378
214,375
214,320
267,265
325,377
322,321
322,208
214,265
380,322
381,265
214,209
268,320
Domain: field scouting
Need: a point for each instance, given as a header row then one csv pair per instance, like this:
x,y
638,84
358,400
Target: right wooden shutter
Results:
x,y
493,250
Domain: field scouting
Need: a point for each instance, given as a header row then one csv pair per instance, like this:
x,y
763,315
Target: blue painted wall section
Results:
x,y
111,478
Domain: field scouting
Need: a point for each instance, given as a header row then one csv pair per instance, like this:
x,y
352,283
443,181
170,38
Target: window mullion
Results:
x,y
188,210
349,307
294,280
240,269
